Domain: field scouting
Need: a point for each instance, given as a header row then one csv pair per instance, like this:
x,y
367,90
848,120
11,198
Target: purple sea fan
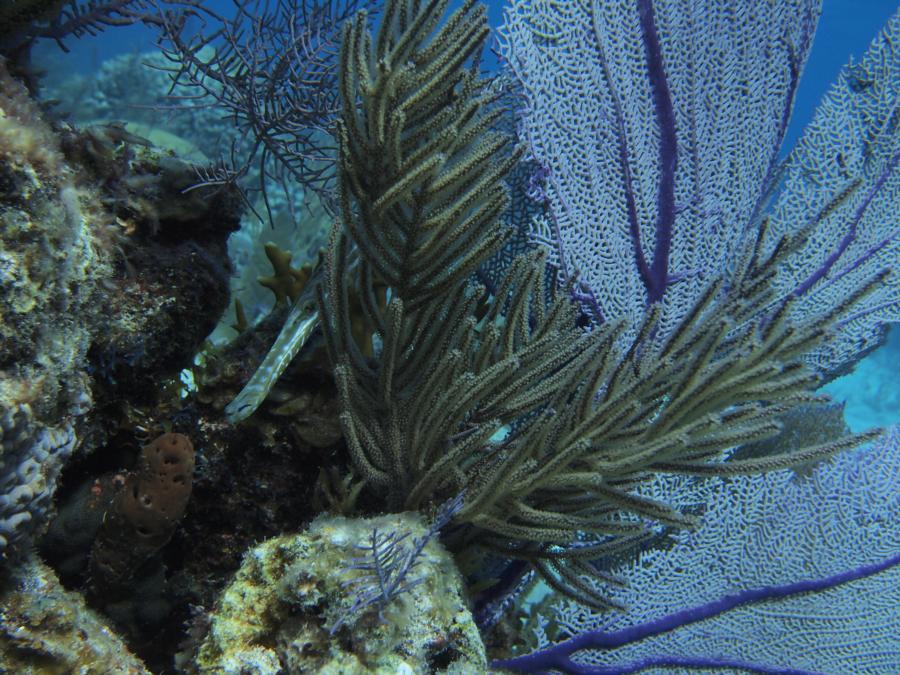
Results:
x,y
660,124
764,540
843,183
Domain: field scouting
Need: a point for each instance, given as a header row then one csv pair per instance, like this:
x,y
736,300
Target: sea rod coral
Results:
x,y
588,415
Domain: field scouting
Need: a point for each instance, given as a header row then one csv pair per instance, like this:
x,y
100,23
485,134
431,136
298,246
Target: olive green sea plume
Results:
x,y
544,427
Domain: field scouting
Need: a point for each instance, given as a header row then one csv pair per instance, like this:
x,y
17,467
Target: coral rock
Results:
x,y
50,271
31,457
45,629
277,614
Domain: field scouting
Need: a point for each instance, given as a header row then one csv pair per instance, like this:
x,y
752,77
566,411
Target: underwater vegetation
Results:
x,y
272,72
546,401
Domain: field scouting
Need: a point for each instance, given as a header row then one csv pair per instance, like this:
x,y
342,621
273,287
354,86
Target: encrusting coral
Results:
x,y
111,272
31,458
50,271
46,629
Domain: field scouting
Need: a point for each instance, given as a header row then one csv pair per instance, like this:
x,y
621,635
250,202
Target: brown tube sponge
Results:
x,y
144,513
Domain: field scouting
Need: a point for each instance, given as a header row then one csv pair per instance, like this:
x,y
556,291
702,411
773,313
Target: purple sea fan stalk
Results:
x,y
788,573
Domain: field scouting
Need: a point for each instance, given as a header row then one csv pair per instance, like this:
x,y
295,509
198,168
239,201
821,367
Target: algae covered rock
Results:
x,y
45,629
50,269
294,607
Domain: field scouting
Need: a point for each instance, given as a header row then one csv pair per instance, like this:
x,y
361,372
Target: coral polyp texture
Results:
x,y
31,457
45,628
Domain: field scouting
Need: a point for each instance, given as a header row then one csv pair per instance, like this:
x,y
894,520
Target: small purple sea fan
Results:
x,y
385,570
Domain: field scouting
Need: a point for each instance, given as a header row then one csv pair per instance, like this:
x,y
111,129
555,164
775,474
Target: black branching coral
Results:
x,y
23,21
271,70
546,428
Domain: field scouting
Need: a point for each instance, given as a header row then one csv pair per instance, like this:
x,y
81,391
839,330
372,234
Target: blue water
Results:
x,y
845,30
871,393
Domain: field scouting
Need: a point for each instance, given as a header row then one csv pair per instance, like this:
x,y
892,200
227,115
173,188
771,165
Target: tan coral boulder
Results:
x,y
278,614
45,629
